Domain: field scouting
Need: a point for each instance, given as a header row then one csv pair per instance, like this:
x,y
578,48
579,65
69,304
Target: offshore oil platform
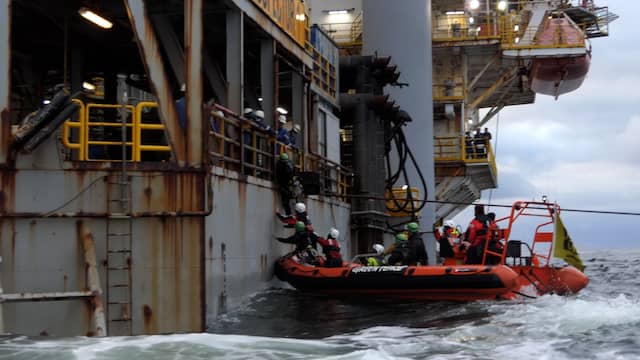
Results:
x,y
138,139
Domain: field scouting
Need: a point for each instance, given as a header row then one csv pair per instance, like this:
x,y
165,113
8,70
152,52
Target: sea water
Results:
x,y
601,322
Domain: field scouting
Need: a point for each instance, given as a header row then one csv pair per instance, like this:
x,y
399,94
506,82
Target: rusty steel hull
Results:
x,y
43,253
185,269
240,237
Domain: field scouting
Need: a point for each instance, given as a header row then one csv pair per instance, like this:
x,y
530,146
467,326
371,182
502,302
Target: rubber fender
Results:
x,y
49,128
32,123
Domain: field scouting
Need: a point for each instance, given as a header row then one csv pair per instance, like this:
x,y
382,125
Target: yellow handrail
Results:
x,y
140,126
79,125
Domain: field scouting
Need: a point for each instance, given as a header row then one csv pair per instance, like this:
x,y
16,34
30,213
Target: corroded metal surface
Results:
x,y
241,248
40,255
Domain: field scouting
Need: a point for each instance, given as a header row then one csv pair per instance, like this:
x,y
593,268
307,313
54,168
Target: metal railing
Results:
x,y
456,148
235,143
335,178
324,73
96,134
240,145
514,31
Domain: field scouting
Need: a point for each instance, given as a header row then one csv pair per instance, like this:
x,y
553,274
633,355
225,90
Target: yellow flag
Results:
x,y
563,246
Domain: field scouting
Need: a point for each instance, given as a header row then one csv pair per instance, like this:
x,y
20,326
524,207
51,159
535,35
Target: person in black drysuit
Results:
x,y
399,250
285,172
305,242
417,251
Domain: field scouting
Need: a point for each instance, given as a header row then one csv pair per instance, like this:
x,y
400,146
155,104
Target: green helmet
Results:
x,y
299,226
284,156
413,227
401,237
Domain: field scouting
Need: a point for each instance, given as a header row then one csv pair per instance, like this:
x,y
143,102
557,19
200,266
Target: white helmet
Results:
x,y
378,248
296,128
334,233
450,224
300,207
282,119
219,113
247,111
260,114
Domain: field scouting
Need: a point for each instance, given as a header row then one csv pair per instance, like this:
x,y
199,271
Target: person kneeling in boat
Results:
x,y
331,248
305,242
452,250
378,259
399,250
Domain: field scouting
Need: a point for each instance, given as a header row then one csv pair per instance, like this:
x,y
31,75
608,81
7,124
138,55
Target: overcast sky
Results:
x,y
583,150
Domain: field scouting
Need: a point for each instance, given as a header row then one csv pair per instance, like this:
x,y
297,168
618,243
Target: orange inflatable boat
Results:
x,y
455,283
510,268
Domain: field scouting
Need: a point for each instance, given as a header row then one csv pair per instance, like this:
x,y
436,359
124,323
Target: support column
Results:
x,y
297,109
415,65
235,59
193,51
5,81
267,83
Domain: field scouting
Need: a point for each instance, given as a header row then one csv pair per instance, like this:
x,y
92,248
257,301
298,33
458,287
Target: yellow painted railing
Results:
x,y
148,132
324,73
77,128
455,148
235,143
96,135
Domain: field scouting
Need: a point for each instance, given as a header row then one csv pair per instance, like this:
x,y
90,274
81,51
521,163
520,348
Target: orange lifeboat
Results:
x,y
561,71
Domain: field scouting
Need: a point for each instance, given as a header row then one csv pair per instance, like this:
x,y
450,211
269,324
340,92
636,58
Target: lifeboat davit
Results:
x,y
563,69
442,283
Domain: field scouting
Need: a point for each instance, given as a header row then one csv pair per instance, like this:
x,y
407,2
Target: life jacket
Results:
x,y
477,231
332,245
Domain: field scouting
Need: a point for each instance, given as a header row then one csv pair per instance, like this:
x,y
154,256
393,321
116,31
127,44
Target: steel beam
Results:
x,y
256,14
297,107
5,81
169,40
150,54
216,78
504,79
235,60
193,50
267,83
